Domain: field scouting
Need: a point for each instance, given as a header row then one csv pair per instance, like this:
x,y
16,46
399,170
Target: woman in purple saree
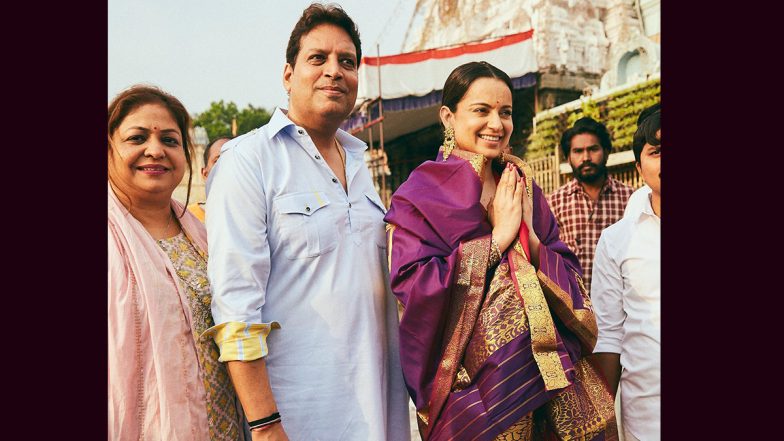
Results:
x,y
495,320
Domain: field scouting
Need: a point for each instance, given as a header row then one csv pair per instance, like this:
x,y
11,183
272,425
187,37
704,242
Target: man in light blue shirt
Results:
x,y
297,258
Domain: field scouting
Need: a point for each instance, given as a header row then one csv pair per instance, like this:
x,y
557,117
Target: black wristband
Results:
x,y
264,421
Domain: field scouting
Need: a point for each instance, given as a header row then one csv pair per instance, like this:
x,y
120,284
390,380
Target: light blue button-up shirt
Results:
x,y
288,244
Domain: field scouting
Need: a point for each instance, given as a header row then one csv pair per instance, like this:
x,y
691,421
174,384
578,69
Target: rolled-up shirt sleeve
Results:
x,y
607,298
239,255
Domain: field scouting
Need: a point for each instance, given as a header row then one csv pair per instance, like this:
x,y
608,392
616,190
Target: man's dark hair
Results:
x,y
647,112
207,149
586,125
646,132
318,14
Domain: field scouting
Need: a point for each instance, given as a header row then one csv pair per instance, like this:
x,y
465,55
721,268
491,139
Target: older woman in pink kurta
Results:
x,y
165,383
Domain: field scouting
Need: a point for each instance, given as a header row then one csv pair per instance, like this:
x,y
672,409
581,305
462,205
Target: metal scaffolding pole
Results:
x,y
382,153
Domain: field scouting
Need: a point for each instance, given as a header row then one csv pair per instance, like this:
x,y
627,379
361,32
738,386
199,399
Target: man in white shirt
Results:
x,y
638,200
297,258
626,296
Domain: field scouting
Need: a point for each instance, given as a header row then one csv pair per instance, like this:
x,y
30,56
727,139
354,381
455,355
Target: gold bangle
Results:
x,y
495,252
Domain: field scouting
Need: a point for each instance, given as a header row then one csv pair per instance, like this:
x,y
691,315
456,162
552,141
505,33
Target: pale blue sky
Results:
x,y
202,51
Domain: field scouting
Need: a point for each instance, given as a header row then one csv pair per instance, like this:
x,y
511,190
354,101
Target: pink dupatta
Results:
x,y
155,387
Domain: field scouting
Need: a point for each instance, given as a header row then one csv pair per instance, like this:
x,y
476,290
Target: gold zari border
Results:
x,y
390,231
540,323
477,160
580,321
522,430
527,172
467,295
584,410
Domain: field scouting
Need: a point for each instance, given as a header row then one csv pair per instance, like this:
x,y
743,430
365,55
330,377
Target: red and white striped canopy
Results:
x,y
419,73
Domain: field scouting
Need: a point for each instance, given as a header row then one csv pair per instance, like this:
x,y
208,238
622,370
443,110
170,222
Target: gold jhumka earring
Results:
x,y
449,141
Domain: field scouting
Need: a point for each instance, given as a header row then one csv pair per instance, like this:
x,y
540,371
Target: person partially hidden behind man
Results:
x,y
211,155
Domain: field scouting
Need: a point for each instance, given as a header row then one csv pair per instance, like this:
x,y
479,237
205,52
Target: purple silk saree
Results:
x,y
490,350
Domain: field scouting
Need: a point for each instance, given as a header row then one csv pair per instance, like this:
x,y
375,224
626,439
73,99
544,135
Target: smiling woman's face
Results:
x,y
147,159
482,118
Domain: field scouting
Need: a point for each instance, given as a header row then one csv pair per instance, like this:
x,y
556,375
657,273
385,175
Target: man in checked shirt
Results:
x,y
592,200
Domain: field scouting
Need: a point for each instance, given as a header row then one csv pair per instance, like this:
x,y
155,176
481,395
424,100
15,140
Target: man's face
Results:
x,y
213,158
323,83
587,158
649,166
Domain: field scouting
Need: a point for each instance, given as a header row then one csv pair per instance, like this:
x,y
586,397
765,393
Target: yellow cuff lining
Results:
x,y
240,341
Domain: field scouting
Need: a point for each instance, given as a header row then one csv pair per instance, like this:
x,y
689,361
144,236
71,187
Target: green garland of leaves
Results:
x,y
617,111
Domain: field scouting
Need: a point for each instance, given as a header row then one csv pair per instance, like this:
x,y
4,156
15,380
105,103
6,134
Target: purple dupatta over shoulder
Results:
x,y
490,349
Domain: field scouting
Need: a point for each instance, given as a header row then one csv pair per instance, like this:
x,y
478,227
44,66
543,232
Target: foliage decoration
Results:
x,y
618,111
217,119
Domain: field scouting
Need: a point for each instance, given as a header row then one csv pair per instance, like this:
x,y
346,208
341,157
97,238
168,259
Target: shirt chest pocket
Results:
x,y
305,225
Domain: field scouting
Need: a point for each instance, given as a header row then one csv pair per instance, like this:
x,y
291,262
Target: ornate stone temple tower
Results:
x,y
580,44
